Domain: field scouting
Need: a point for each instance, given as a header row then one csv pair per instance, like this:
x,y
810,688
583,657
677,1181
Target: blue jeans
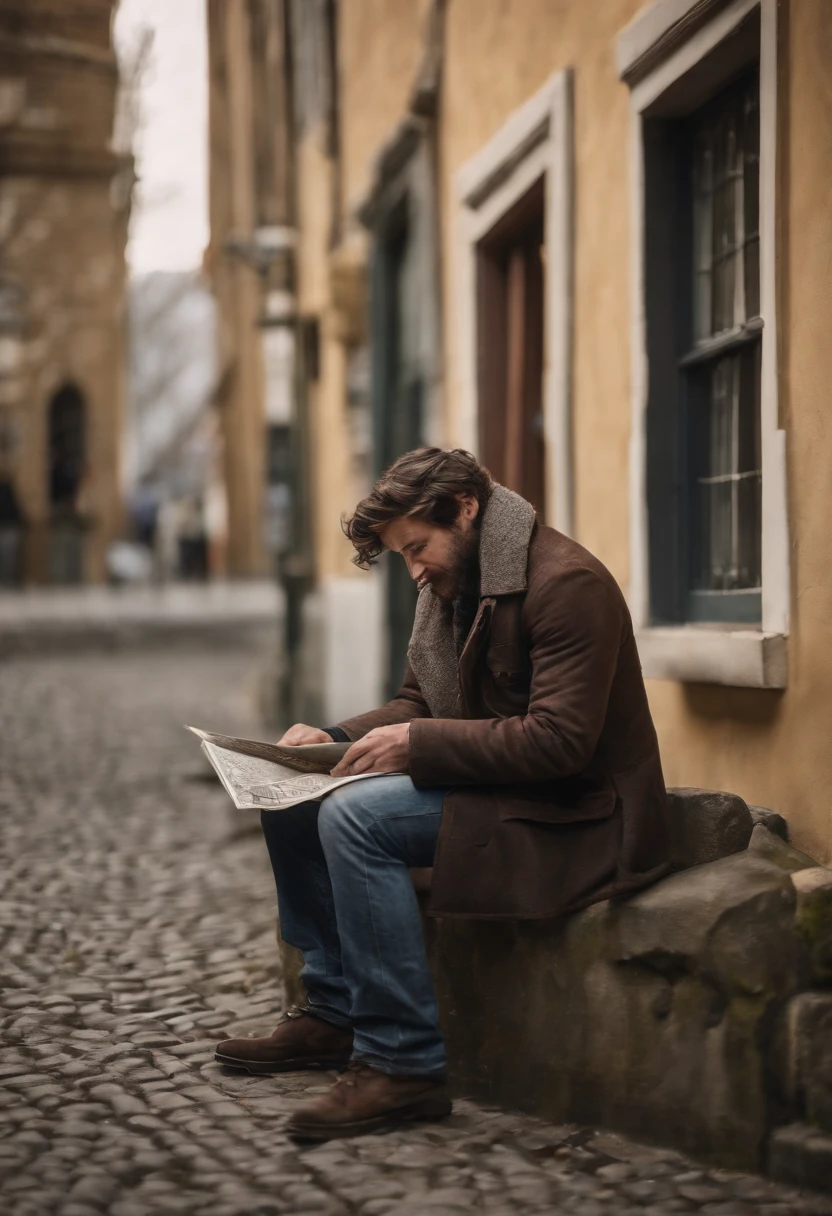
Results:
x,y
347,903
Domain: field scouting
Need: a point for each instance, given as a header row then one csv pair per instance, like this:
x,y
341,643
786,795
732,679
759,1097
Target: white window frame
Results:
x,y
535,142
707,653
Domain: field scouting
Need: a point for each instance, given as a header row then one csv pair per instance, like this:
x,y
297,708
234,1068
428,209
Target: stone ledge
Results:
x,y
659,1015
668,1015
801,1156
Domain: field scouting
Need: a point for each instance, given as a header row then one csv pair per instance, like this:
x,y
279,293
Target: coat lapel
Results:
x,y
504,553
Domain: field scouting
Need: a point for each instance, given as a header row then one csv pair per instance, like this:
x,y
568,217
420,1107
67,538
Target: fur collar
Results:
x,y
504,552
504,543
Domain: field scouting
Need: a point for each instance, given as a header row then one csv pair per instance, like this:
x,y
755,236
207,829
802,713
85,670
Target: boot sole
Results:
x,y
321,1064
427,1109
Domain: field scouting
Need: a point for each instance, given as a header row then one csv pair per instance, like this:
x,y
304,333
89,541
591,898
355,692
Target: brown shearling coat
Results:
x,y
540,731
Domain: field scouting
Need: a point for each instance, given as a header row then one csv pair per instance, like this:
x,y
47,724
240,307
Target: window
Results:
x,y
710,569
721,368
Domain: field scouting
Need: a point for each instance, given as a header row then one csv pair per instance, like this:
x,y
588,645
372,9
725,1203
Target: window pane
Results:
x,y
703,239
723,394
752,278
727,521
725,180
751,192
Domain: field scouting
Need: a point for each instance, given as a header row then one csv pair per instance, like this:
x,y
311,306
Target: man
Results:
x,y
533,785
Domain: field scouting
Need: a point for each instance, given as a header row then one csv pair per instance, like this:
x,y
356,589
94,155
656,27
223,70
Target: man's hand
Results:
x,y
299,734
383,750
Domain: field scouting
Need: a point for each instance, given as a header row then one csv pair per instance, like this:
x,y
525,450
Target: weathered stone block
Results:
x,y
771,820
770,847
810,1050
813,888
801,1156
708,921
706,825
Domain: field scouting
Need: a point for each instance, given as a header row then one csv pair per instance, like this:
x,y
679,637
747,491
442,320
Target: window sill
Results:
x,y
740,658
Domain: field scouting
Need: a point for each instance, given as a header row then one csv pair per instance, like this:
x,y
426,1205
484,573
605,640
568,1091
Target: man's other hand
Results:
x,y
383,750
299,734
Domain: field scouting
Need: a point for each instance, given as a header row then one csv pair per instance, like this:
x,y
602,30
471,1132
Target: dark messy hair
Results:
x,y
424,483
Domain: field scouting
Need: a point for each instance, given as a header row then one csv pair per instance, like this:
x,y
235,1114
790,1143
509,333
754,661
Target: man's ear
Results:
x,y
468,507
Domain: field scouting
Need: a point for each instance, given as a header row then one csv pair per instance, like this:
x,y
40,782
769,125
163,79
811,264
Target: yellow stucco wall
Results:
x,y
327,396
380,49
772,748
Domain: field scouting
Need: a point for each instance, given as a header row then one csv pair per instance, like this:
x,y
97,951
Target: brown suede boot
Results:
x,y
366,1100
301,1040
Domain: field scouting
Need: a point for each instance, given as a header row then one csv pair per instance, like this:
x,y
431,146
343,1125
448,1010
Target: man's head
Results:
x,y
428,507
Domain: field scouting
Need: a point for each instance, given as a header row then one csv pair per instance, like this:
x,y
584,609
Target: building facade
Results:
x,y
64,203
592,243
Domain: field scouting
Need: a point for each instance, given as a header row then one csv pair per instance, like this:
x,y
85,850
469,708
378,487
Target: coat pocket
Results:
x,y
557,804
506,681
509,663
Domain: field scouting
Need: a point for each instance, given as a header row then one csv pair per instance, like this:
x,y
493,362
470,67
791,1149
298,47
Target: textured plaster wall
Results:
x,y
771,748
380,50
327,396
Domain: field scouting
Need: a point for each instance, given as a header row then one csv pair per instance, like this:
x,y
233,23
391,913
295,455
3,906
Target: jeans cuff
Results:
x,y
326,1014
403,1068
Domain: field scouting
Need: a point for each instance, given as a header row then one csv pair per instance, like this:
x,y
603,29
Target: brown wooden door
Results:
x,y
510,295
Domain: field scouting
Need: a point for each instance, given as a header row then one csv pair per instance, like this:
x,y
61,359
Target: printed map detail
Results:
x,y
264,785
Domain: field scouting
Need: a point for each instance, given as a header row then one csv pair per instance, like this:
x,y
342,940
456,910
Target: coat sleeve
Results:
x,y
407,704
575,633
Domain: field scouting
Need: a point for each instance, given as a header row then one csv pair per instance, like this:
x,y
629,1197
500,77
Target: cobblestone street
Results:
x,y
137,918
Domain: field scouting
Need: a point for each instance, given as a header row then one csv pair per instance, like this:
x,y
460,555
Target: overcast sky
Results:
x,y
169,226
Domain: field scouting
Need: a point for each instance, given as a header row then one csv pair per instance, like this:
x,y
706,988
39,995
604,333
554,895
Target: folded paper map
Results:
x,y
270,777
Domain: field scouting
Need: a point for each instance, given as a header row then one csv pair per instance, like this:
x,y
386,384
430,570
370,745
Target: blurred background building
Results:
x,y
64,203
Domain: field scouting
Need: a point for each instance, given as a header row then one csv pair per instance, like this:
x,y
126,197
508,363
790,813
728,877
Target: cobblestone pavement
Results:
x,y
137,927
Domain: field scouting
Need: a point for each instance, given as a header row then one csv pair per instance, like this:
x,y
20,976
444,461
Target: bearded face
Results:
x,y
461,573
444,559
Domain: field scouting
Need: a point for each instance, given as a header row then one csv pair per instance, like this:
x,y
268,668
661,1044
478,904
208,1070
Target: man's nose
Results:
x,y
417,569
